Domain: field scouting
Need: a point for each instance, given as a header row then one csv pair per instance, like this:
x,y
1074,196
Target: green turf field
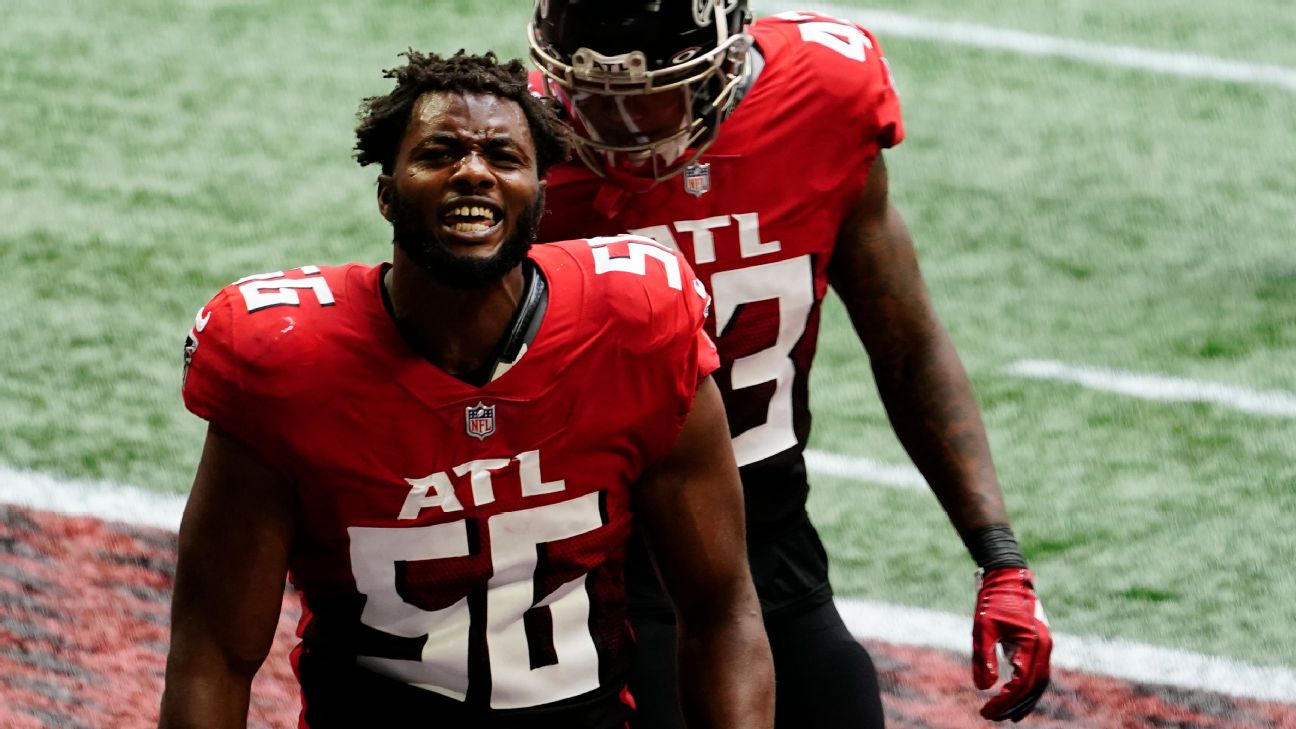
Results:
x,y
154,151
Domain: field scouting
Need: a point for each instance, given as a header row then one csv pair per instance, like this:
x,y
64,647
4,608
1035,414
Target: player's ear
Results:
x,y
385,193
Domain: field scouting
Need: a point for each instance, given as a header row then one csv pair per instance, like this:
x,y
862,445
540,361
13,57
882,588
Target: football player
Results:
x,y
756,150
445,452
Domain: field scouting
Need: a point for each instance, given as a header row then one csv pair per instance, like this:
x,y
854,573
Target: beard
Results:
x,y
425,248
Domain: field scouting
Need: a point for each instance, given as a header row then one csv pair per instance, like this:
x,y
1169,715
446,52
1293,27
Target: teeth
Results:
x,y
464,211
470,227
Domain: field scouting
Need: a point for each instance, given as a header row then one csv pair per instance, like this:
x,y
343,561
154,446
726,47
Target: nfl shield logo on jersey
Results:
x,y
480,420
697,179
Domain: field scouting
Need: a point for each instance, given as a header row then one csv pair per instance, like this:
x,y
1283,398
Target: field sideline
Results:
x,y
868,620
53,675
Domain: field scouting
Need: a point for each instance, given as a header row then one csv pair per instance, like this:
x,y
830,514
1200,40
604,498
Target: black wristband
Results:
x,y
994,547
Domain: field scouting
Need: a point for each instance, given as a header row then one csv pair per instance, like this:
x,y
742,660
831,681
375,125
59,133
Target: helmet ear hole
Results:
x,y
593,53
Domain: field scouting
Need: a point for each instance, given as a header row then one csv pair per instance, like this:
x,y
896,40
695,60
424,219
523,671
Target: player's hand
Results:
x,y
1008,612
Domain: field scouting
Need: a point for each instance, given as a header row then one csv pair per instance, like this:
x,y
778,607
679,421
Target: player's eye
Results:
x,y
506,158
435,153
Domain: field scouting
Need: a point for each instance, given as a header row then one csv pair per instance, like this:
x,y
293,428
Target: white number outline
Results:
x,y
515,539
835,35
640,249
264,290
791,282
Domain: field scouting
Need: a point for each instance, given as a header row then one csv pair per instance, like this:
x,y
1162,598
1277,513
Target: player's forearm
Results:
x,y
929,400
726,674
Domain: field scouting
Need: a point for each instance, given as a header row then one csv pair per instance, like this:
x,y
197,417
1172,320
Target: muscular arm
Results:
x,y
234,541
690,511
919,374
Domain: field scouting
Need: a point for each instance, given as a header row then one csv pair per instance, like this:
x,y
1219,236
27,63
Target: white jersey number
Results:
x,y
639,250
264,290
511,595
792,283
844,38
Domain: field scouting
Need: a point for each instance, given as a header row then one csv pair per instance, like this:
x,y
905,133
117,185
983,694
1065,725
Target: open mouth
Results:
x,y
471,217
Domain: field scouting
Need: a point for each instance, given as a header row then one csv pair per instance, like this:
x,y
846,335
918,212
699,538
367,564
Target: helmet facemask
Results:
x,y
635,122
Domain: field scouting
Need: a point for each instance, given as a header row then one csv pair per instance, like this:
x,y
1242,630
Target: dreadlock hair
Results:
x,y
384,119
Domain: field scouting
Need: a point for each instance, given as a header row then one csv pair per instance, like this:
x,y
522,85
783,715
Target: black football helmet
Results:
x,y
645,83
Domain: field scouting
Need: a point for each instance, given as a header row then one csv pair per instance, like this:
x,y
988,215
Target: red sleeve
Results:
x,y
655,311
679,318
882,104
223,381
211,382
844,89
708,358
682,347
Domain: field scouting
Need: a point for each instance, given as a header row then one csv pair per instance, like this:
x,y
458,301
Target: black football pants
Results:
x,y
824,678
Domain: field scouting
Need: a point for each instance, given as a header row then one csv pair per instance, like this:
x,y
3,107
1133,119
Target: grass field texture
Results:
x,y
155,151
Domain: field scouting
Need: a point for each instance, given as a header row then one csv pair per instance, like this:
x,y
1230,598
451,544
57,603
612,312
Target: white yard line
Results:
x,y
1188,65
100,499
1157,387
867,620
863,469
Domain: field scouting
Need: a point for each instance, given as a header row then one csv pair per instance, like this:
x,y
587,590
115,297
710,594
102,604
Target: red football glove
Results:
x,y
1008,611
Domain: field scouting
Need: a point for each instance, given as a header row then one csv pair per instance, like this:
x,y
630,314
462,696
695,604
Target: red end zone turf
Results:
x,y
84,608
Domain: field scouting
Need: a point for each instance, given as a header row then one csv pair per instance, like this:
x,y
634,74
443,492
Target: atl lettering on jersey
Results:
x,y
464,540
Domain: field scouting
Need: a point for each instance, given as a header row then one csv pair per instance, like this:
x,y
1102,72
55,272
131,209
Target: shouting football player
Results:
x,y
445,453
757,151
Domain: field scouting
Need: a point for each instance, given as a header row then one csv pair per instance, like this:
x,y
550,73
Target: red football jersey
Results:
x,y
759,222
465,540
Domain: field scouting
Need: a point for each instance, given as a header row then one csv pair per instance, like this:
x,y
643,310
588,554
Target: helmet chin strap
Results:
x,y
751,70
